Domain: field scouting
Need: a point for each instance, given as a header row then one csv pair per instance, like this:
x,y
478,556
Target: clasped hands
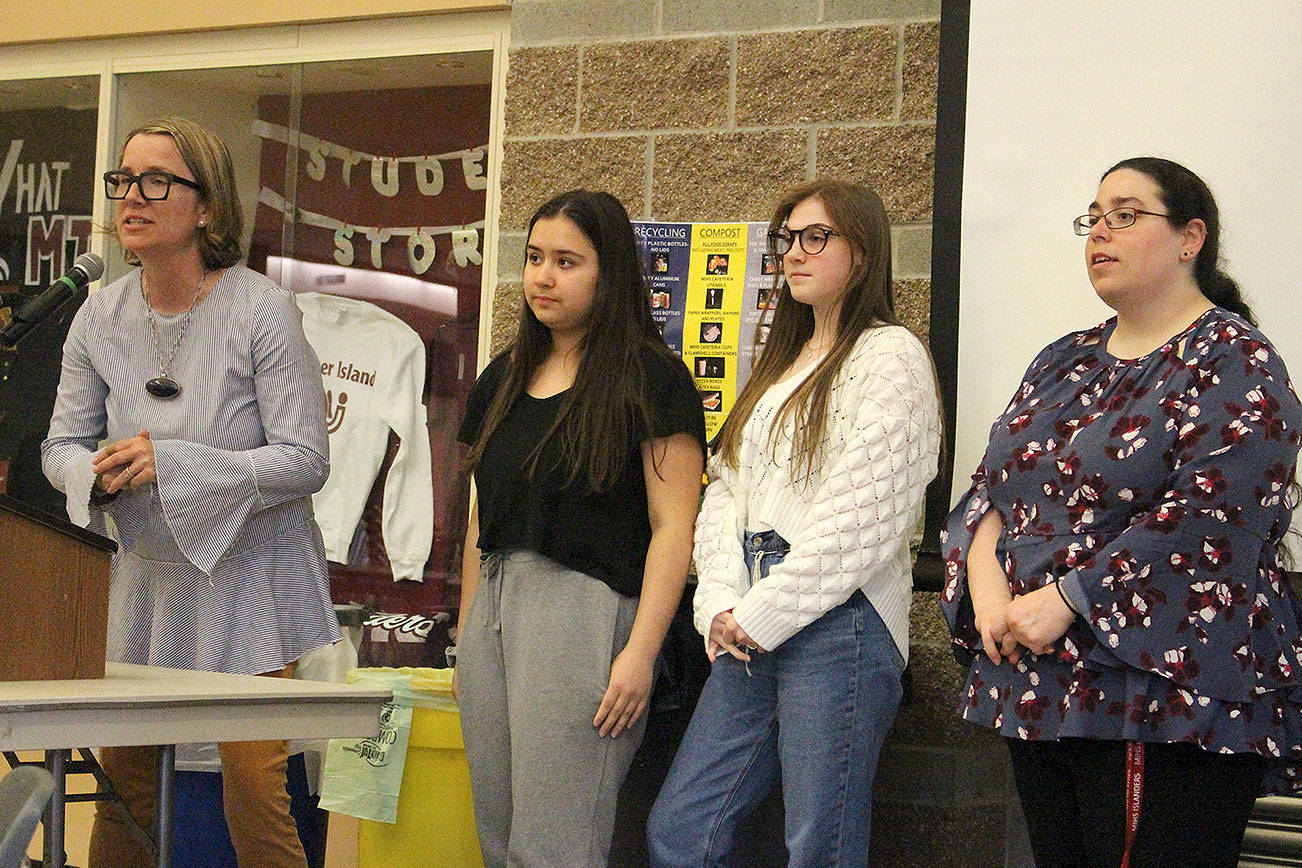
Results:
x,y
1032,621
127,463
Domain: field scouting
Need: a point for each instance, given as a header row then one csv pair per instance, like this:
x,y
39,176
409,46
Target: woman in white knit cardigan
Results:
x,y
802,549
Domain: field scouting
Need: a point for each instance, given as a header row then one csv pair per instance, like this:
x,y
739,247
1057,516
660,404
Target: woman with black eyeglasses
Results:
x,y
1114,578
190,410
802,550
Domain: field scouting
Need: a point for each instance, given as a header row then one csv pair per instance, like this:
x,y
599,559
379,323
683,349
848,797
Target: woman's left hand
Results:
x,y
627,694
1039,619
127,463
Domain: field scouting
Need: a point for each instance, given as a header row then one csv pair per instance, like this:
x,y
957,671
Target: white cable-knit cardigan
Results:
x,y
850,527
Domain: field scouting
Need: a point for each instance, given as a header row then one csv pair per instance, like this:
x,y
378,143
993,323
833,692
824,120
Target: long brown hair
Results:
x,y
607,405
860,217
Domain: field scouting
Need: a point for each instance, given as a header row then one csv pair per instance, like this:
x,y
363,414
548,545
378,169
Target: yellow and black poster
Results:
x,y
710,287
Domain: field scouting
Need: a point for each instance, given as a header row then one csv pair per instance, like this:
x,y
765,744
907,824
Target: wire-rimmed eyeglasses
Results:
x,y
154,185
812,239
1117,218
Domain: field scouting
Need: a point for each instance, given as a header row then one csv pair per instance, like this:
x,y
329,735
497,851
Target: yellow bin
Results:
x,y
436,817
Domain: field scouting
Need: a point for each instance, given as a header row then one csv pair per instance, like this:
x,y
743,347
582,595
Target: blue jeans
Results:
x,y
813,713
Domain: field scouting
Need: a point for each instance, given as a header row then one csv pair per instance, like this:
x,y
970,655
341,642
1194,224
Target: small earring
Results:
x,y
200,224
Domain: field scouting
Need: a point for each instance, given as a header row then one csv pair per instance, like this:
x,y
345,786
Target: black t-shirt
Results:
x,y
603,534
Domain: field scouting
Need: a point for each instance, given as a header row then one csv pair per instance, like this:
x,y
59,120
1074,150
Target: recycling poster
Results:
x,y
710,287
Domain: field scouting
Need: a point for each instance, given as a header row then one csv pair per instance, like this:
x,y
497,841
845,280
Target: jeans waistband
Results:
x,y
767,541
762,549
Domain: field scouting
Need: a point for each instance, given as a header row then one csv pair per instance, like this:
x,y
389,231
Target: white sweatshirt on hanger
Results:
x,y
373,369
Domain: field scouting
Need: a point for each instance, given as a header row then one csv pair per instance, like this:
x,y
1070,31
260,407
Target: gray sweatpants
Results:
x,y
533,663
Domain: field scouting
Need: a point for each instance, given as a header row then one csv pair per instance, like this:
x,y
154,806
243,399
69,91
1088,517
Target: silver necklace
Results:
x,y
811,350
164,387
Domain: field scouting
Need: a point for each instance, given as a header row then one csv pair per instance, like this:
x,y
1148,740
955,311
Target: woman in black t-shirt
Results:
x,y
587,445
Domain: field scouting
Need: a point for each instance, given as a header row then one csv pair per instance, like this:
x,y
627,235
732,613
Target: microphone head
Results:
x,y
90,265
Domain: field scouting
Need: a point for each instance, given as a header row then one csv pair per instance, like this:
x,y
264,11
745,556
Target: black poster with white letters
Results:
x,y
47,166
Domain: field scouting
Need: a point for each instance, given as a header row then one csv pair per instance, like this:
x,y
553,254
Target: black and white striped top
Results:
x,y
221,565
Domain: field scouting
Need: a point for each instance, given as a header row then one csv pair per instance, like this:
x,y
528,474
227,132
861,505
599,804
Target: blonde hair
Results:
x,y
206,156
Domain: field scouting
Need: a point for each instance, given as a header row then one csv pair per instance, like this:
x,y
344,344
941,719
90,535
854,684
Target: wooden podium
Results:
x,y
54,579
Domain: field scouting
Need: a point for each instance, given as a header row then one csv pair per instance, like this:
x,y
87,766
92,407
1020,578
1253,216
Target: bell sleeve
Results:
x,y
79,421
1192,590
956,535
955,542
207,494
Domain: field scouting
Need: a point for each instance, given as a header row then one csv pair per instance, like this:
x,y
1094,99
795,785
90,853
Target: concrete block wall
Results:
x,y
708,111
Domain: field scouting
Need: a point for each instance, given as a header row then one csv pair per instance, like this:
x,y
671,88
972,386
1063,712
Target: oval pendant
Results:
x,y
163,388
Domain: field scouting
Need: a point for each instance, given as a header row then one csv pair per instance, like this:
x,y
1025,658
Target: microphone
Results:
x,y
85,269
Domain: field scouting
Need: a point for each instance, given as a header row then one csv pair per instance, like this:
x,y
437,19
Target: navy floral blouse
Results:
x,y
1158,489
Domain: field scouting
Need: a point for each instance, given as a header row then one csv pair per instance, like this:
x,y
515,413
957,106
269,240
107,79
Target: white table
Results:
x,y
150,705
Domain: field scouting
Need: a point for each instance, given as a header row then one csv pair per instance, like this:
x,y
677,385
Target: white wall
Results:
x,y
1057,93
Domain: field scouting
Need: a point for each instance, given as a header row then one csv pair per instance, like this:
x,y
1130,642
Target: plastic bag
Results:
x,y
363,776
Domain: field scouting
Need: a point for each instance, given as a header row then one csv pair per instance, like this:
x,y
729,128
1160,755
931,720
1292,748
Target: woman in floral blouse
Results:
x,y
1114,576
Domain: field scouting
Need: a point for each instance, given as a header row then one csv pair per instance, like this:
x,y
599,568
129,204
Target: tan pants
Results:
x,y
253,795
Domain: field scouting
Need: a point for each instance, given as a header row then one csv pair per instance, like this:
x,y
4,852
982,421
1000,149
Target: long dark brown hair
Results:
x,y
607,405
858,214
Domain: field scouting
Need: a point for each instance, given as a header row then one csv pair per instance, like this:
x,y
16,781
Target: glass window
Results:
x,y
47,167
364,191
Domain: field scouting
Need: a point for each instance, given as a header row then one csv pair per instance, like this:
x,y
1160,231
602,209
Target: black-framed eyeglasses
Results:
x,y
154,185
812,239
1117,218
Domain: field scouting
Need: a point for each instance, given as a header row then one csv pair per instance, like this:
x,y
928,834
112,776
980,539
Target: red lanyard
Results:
x,y
1134,794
